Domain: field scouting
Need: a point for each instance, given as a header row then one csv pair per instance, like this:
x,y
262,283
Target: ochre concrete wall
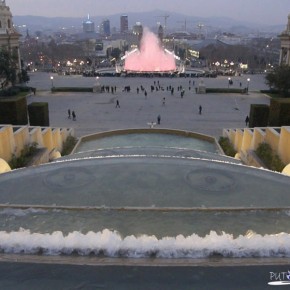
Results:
x,y
284,145
14,138
21,138
238,140
258,137
7,142
56,138
272,138
232,135
36,136
246,140
47,138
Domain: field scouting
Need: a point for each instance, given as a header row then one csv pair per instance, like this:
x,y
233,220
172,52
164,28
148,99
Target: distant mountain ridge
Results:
x,y
175,21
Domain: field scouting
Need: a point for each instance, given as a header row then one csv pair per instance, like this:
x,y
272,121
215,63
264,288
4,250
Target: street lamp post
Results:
x,y
248,83
51,78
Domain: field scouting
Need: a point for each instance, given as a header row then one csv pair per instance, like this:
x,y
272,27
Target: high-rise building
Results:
x,y
124,24
88,25
105,28
138,31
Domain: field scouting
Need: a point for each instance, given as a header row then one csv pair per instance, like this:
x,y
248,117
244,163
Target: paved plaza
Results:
x,y
97,112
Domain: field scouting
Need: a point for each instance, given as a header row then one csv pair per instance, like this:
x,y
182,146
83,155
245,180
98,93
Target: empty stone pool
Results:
x,y
147,138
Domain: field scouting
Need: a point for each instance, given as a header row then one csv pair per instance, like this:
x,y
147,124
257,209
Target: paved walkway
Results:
x,y
97,112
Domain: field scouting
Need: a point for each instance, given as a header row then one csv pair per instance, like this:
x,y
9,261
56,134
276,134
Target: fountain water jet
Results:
x,y
151,57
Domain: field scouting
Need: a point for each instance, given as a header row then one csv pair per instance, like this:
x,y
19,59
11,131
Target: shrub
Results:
x,y
25,156
72,89
68,145
225,90
227,146
38,114
15,90
12,91
259,115
13,110
270,159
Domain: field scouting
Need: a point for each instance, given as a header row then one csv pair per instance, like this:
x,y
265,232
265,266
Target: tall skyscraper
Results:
x,y
124,24
138,31
88,25
105,28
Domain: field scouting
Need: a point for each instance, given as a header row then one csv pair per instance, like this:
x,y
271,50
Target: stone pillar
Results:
x,y
285,45
287,57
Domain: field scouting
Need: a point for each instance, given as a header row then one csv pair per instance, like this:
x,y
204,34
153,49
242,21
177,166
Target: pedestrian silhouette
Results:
x,y
158,119
117,104
68,112
73,115
247,121
200,109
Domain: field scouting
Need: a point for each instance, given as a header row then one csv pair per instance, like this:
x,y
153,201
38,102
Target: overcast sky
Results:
x,y
258,11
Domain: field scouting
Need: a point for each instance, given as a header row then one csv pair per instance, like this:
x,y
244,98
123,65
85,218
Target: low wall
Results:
x,y
248,139
14,138
7,142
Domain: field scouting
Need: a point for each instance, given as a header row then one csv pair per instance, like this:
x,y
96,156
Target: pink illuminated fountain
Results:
x,y
151,57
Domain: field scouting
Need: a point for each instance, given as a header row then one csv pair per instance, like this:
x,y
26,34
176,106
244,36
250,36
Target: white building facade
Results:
x,y
9,37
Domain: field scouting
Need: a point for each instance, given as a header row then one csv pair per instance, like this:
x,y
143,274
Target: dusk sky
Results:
x,y
259,11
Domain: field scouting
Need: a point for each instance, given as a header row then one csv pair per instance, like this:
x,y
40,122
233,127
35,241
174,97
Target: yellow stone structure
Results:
x,y
14,138
247,140
4,166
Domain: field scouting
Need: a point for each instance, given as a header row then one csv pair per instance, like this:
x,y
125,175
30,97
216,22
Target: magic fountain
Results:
x,y
150,57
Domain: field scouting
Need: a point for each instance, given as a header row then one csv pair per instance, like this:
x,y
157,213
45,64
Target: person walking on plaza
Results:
x,y
247,121
200,109
158,119
117,104
73,115
68,112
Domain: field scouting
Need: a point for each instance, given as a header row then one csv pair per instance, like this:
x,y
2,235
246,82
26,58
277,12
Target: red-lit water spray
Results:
x,y
151,57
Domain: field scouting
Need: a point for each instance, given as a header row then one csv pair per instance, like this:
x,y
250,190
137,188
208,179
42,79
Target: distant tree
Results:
x,y
51,53
116,52
8,67
257,53
279,79
125,48
23,76
181,52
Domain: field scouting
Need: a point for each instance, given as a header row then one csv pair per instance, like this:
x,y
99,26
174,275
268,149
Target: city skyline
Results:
x,y
255,11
